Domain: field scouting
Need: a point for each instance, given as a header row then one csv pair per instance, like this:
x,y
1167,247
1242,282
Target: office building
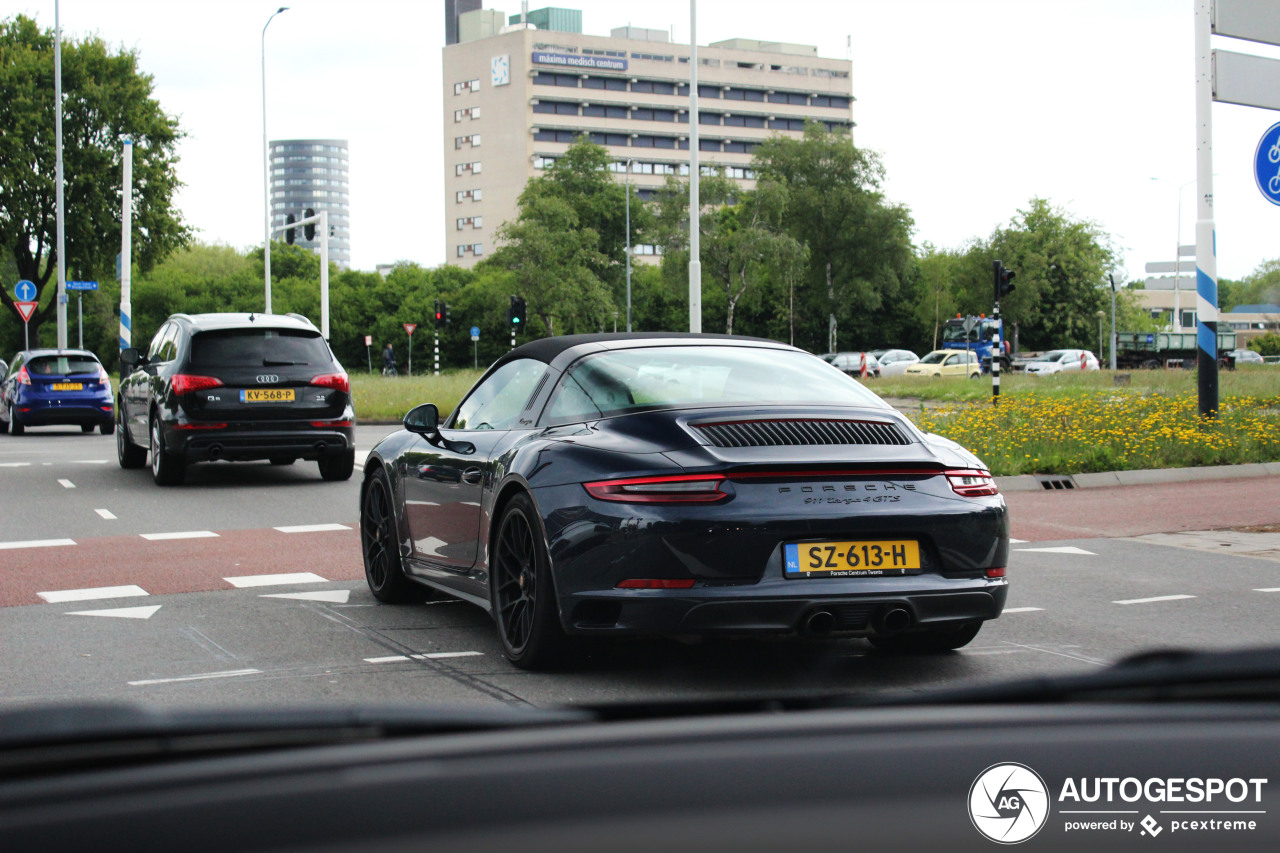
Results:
x,y
452,10
311,174
514,100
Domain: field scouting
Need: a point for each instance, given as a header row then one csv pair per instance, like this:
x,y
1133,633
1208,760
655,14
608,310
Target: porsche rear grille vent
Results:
x,y
800,433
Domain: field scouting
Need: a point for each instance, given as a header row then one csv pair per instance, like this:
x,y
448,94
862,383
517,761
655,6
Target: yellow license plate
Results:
x,y
67,386
266,395
851,559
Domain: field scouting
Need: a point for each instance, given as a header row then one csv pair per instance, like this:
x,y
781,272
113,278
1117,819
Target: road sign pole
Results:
x,y
126,249
437,347
409,370
1206,260
80,317
996,351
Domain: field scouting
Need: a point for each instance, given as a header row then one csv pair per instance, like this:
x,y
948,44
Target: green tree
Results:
x,y
935,301
743,241
1061,265
553,261
106,99
860,255
1268,344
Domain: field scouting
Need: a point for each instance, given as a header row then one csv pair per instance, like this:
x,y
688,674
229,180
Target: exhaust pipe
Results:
x,y
215,452
892,620
820,623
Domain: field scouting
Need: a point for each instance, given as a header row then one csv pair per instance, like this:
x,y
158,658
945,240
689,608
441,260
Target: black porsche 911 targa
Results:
x,y
675,484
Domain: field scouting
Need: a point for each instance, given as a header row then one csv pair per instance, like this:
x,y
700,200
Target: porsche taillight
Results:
x,y
972,482
670,489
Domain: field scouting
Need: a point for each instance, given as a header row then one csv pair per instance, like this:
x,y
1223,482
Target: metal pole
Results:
x,y
324,274
61,200
266,175
1206,262
1113,322
80,319
126,249
475,355
695,238
628,244
437,349
409,370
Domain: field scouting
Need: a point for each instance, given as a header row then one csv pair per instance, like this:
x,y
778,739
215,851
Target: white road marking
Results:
x,y
61,595
89,462
1021,609
1269,589
1018,541
432,656
275,580
1156,598
105,513
15,464
36,543
228,674
66,484
120,612
313,528
333,596
1063,549
185,534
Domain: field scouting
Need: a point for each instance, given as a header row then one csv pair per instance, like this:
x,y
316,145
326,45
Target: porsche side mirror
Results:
x,y
423,420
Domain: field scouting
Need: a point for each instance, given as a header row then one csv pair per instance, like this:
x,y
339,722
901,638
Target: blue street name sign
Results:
x,y
1266,164
82,285
25,291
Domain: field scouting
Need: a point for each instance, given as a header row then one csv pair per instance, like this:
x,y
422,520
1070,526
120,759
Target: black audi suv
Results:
x,y
237,387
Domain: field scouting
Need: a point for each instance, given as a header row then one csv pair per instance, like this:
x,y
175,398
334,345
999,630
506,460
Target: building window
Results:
x,y
466,86
549,78
470,112
473,140
734,147
709,92
708,118
464,168
708,144
472,221
593,110
543,162
642,140
470,249
653,57
462,195
646,249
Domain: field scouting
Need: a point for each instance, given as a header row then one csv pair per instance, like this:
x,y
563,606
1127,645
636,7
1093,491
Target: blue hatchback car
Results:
x,y
45,387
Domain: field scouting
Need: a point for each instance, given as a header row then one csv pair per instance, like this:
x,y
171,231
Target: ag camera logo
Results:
x,y
1008,803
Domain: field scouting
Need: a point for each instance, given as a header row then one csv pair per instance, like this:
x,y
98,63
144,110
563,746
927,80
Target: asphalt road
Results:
x,y
245,587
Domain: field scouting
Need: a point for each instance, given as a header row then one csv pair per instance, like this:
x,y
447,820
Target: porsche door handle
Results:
x,y
472,476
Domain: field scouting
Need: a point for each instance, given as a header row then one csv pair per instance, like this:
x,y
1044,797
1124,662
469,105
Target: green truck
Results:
x,y
1151,350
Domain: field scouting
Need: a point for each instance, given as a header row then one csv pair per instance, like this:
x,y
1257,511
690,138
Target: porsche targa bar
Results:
x,y
684,485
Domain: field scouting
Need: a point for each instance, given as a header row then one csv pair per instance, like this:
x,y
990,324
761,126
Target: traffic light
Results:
x,y
1003,280
439,313
309,230
291,233
446,312
516,311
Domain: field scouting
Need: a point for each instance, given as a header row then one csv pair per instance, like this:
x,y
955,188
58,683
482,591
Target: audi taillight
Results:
x,y
23,377
972,482
336,381
680,488
185,383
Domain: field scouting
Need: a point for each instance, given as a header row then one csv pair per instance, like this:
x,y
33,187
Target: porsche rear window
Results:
x,y
659,377
258,348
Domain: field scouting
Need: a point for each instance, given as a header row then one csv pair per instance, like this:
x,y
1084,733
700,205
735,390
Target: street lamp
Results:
x,y
628,245
1177,262
1102,315
266,174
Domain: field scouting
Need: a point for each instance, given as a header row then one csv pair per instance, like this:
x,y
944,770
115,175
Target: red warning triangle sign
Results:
x,y
26,309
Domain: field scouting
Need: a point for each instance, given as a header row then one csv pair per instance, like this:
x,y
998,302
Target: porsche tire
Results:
x,y
522,592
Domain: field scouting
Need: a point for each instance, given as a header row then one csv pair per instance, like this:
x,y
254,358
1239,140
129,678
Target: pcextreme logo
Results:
x,y
1008,803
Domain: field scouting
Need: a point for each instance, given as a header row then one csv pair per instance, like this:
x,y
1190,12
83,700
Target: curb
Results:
x,y
1143,477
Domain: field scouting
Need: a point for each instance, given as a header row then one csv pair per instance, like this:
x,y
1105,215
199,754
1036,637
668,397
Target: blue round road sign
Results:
x,y
1266,164
25,291
475,331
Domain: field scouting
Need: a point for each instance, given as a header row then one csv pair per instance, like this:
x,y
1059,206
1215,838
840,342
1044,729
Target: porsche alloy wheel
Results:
x,y
523,597
379,543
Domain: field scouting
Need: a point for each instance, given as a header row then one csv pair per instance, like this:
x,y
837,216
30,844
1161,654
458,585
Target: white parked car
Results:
x,y
1062,361
1245,356
894,362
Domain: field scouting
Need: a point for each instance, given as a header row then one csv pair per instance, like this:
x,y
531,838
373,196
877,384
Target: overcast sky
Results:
x,y
976,107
